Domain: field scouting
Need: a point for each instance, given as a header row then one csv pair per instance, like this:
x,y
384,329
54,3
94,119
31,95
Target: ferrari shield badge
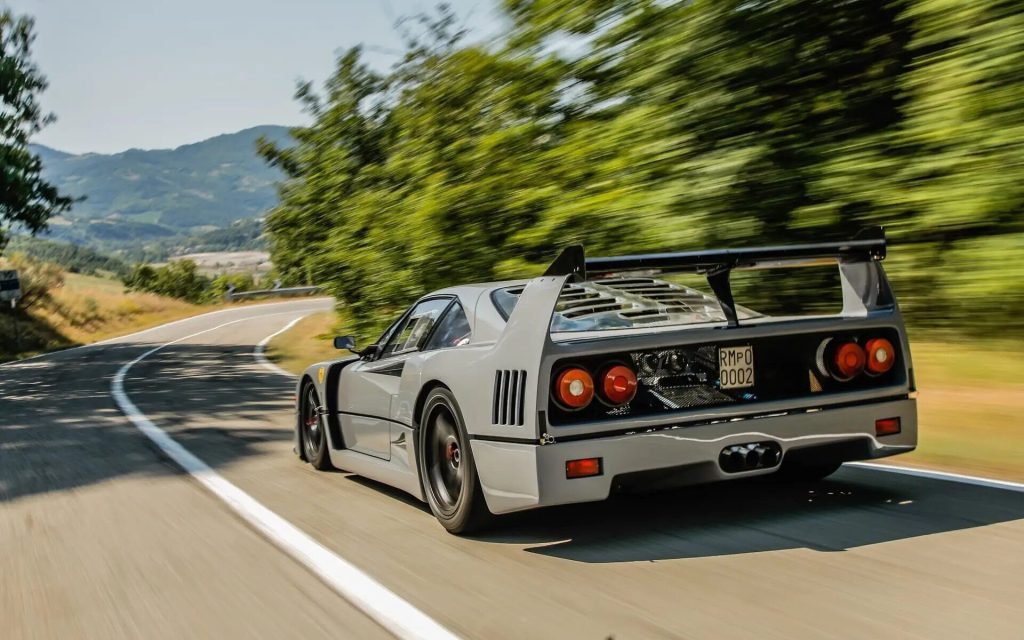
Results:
x,y
320,373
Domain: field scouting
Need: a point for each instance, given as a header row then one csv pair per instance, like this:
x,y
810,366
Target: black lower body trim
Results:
x,y
724,419
503,439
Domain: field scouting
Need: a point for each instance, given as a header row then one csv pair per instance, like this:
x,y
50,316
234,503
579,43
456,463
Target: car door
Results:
x,y
369,387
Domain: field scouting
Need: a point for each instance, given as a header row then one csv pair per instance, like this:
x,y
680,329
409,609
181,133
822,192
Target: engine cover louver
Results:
x,y
509,393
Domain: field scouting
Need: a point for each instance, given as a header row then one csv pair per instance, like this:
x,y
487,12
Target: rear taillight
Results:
x,y
574,388
618,384
848,360
844,360
881,355
887,426
583,468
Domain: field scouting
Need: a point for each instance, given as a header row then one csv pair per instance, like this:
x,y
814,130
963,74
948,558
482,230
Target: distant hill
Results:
x,y
144,195
72,258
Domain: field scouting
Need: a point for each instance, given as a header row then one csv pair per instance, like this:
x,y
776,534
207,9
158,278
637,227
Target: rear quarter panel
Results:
x,y
469,371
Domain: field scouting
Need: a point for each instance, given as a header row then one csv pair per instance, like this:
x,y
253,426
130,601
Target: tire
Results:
x,y
807,472
446,467
312,431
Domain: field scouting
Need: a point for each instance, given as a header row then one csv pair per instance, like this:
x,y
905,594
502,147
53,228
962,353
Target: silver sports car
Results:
x,y
605,373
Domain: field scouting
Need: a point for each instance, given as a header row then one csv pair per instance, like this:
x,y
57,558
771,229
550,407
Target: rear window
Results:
x,y
624,303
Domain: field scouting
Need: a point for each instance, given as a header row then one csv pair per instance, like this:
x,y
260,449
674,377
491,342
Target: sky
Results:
x,y
155,74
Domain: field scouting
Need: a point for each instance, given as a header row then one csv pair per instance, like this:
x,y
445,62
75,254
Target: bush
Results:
x,y
240,281
178,279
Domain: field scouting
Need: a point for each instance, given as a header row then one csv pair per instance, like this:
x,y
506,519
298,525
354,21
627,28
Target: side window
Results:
x,y
415,327
453,330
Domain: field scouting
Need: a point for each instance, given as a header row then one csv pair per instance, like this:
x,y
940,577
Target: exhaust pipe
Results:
x,y
752,458
749,457
769,456
737,460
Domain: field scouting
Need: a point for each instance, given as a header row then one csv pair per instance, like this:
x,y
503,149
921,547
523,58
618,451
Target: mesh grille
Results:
x,y
694,396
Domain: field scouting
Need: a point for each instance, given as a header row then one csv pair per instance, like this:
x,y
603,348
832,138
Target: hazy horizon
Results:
x,y
186,143
170,75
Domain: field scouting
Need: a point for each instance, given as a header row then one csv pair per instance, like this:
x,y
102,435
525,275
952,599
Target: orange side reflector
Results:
x,y
583,468
887,426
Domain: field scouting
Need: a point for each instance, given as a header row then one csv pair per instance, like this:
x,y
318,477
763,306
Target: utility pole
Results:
x,y
17,326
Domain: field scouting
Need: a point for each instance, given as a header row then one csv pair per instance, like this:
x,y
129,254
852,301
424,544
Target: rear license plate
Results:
x,y
736,367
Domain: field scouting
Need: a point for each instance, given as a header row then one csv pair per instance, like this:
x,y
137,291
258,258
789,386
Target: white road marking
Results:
x,y
374,599
382,605
260,351
940,475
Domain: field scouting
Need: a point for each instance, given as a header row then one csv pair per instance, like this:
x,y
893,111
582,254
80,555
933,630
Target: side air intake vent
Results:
x,y
509,391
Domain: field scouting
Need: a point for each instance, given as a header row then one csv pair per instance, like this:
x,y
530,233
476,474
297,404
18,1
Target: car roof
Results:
x,y
475,289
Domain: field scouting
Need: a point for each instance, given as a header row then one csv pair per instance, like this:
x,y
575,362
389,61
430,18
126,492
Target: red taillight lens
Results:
x,y
849,360
618,384
583,468
881,355
575,388
887,426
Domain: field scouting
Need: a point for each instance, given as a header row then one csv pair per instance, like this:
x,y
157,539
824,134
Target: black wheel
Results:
x,y
446,466
312,431
806,472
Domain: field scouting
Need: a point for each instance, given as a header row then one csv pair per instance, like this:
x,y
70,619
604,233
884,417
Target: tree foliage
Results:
x,y
182,279
70,257
26,200
177,279
635,125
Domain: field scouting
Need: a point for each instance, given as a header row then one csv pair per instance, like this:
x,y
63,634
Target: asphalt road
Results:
x,y
101,536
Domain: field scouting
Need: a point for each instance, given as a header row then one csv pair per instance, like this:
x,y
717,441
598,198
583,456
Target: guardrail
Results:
x,y
231,295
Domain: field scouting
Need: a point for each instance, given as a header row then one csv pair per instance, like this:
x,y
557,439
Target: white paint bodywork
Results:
x,y
523,466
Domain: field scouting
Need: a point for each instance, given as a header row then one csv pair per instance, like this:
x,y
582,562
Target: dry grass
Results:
x,y
309,341
88,309
970,408
971,402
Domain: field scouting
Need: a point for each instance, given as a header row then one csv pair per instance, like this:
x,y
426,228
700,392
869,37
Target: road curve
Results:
x,y
101,536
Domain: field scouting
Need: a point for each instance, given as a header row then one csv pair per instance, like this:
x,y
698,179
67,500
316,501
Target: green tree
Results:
x,y
416,178
641,125
178,279
26,200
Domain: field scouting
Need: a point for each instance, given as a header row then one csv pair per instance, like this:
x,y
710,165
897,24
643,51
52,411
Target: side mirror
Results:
x,y
345,342
349,343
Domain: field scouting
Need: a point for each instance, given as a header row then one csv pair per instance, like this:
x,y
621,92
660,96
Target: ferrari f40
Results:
x,y
603,373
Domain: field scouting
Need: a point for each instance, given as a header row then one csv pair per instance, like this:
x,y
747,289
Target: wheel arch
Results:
x,y
324,376
421,398
300,388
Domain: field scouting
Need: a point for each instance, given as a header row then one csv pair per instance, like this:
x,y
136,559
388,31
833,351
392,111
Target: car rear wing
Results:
x,y
865,287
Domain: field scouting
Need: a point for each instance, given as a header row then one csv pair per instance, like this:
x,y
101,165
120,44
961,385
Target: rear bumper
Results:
x,y
518,476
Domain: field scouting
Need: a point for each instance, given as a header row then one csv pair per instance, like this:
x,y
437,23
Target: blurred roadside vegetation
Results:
x,y
646,125
181,279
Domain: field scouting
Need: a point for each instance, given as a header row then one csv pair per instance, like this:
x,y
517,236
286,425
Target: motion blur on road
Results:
x,y
104,537
148,486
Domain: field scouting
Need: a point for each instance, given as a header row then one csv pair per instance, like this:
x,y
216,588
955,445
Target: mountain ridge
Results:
x,y
137,195
259,129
